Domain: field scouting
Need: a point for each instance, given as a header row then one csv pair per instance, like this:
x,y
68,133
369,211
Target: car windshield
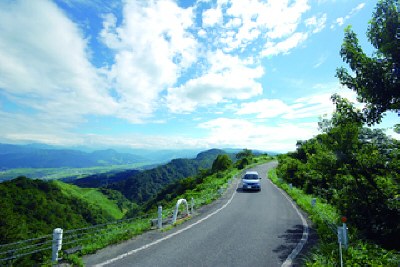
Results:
x,y
251,177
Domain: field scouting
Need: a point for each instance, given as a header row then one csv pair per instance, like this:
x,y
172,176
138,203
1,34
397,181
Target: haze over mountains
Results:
x,y
43,156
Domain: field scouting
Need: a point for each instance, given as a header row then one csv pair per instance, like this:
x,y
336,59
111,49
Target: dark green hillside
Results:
x,y
31,208
141,186
102,179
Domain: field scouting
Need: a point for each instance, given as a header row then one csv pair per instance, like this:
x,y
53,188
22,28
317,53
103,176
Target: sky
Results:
x,y
173,74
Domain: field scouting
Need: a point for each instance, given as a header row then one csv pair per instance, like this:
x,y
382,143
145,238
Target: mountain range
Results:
x,y
44,156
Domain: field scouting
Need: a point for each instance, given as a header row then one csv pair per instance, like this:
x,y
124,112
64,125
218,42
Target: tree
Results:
x,y
376,79
245,153
221,163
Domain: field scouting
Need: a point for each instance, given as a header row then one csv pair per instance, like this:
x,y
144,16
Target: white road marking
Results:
x,y
289,260
166,237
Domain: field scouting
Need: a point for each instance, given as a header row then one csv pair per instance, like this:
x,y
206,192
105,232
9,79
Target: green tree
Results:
x,y
376,79
245,153
221,163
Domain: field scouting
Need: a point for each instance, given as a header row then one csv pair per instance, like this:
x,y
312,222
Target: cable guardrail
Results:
x,y
83,236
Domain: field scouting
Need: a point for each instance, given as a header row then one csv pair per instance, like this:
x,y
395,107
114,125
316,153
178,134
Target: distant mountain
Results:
x,y
34,156
140,186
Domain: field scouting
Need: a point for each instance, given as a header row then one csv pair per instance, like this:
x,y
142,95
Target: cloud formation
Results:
x,y
47,69
340,21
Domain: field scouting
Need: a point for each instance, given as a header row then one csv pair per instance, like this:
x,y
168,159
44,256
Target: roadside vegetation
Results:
x,y
350,167
325,218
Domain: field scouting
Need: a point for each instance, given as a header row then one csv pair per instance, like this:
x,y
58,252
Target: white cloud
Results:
x,y
235,26
264,108
321,60
251,135
317,24
340,21
212,16
152,47
310,107
46,68
278,18
228,78
284,47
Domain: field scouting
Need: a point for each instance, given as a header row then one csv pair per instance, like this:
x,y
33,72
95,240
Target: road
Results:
x,y
242,229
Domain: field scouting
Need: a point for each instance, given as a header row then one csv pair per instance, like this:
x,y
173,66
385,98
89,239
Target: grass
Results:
x,y
93,197
325,217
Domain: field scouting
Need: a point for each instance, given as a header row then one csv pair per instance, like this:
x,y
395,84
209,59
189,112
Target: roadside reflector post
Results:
x,y
342,238
57,244
159,218
191,206
313,202
345,237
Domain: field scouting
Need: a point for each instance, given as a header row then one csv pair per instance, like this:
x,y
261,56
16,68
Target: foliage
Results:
x,y
356,169
221,163
140,186
377,78
244,158
34,208
112,202
325,217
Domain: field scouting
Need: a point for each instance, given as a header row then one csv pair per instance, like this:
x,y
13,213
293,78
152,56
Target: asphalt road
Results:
x,y
242,229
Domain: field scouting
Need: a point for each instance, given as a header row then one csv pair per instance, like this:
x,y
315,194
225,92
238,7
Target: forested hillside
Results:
x,y
31,208
141,186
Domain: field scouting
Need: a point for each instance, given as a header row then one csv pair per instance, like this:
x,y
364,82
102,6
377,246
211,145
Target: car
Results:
x,y
251,181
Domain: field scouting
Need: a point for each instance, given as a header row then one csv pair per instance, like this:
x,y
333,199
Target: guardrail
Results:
x,y
73,240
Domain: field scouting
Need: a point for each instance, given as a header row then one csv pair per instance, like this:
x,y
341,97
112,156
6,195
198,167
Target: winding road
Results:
x,y
241,229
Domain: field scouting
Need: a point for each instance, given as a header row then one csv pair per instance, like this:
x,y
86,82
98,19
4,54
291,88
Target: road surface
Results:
x,y
242,229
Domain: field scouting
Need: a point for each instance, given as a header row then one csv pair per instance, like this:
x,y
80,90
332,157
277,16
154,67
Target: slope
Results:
x,y
141,186
31,208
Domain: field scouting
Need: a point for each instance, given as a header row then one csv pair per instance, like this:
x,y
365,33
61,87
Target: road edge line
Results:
x,y
124,255
289,260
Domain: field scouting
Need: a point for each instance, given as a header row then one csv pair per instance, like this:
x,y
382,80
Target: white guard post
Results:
x,y
177,209
159,217
57,243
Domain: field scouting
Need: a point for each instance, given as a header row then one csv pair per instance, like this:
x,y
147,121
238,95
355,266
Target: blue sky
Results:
x,y
173,74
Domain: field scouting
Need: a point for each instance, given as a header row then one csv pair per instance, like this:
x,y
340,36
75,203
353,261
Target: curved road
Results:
x,y
242,229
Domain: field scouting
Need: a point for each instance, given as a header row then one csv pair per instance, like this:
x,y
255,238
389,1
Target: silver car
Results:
x,y
251,181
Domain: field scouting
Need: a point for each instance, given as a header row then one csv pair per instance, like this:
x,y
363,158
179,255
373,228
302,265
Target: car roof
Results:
x,y
251,172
